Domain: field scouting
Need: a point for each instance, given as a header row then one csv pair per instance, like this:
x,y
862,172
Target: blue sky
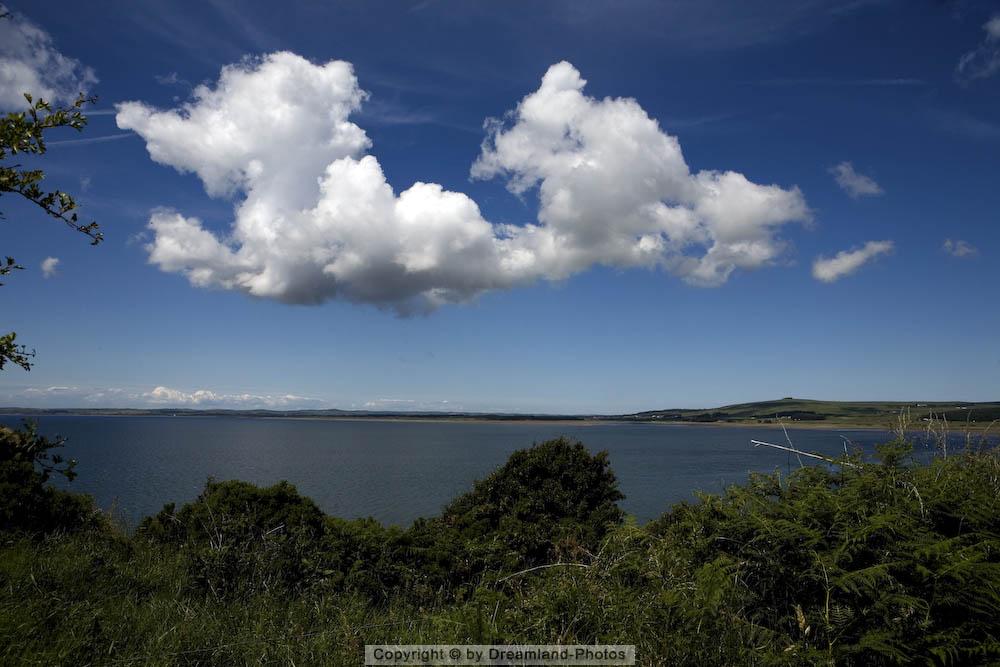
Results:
x,y
782,231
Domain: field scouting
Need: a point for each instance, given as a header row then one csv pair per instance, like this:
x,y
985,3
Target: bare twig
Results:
x,y
913,487
792,447
903,422
541,567
758,443
982,436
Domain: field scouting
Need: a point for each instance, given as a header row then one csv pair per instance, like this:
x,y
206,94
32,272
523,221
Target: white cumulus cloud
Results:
x,y
49,266
614,189
983,61
157,397
30,63
846,262
206,398
959,248
854,184
316,219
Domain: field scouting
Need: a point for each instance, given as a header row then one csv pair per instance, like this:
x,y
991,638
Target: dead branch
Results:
x,y
759,443
541,567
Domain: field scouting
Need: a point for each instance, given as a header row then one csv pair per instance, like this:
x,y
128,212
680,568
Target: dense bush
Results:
x,y
860,563
553,501
387,563
236,508
241,539
27,502
863,565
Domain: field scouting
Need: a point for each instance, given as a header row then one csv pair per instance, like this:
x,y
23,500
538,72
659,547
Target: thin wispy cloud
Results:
x,y
964,124
855,184
91,140
57,389
422,5
901,82
711,25
31,63
410,405
959,248
252,30
171,79
852,6
681,123
138,238
983,61
185,31
379,112
846,262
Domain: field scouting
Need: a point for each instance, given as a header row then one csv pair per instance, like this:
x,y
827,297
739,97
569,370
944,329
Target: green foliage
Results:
x,y
888,562
240,539
23,133
27,502
550,502
385,563
871,565
12,352
236,508
554,500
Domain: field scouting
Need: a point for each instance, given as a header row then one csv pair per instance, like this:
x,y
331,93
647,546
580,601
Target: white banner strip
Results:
x,y
500,654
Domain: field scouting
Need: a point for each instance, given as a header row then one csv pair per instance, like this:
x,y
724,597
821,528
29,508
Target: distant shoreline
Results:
x,y
818,425
790,412
586,422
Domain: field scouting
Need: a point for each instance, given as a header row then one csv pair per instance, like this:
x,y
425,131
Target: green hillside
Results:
x,y
861,413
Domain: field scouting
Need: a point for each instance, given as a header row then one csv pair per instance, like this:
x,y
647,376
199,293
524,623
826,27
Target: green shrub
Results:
x,y
27,502
553,501
240,539
236,507
383,563
878,564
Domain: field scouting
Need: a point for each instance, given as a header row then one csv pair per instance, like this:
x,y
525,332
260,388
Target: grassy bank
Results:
x,y
889,562
806,413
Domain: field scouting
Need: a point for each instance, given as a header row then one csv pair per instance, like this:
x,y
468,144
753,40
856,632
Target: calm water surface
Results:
x,y
397,471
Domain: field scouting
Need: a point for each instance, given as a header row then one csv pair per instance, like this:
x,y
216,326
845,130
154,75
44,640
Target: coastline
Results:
x,y
818,425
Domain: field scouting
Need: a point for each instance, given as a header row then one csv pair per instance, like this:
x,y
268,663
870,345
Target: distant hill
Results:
x,y
786,410
872,413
